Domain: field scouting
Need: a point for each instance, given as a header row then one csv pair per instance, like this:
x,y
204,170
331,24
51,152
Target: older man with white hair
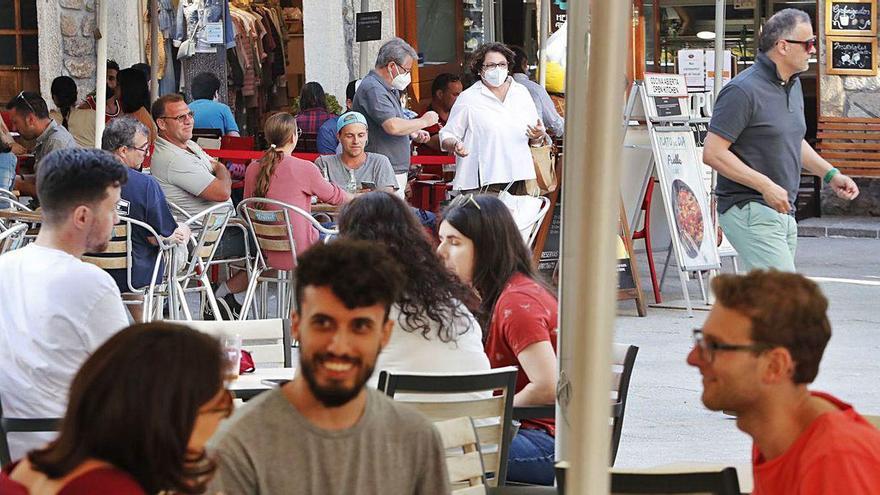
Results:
x,y
378,99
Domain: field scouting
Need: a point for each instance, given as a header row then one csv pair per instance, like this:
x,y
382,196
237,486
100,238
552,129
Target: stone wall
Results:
x,y
848,96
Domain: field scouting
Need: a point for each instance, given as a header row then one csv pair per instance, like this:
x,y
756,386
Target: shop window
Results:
x,y
7,14
29,50
28,14
7,50
437,41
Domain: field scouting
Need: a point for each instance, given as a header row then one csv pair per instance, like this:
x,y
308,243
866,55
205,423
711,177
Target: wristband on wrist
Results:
x,y
830,175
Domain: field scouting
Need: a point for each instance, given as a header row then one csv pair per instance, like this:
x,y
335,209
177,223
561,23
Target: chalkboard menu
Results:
x,y
851,17
851,56
667,106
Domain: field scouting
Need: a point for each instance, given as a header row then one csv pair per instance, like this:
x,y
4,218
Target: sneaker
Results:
x,y
232,307
207,312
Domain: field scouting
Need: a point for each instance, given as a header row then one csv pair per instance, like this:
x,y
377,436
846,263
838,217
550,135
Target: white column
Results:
x,y
101,65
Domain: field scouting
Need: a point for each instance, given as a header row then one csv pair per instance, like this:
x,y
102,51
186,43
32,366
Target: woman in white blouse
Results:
x,y
492,125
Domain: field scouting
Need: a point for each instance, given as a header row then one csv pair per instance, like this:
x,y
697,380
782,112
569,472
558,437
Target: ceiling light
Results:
x,y
706,35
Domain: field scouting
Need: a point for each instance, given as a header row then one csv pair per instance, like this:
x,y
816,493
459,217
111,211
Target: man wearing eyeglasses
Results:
x,y
756,143
757,351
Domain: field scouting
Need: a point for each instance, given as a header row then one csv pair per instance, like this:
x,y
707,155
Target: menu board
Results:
x,y
851,17
666,97
851,56
680,172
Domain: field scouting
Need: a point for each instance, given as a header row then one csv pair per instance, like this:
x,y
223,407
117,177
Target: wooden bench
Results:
x,y
850,144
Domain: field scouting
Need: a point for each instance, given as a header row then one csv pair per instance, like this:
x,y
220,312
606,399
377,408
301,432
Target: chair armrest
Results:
x,y
534,412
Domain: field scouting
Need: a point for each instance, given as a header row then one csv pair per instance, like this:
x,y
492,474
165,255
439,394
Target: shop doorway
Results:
x,y
19,54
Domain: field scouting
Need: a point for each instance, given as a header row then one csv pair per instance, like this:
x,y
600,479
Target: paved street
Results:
x,y
665,421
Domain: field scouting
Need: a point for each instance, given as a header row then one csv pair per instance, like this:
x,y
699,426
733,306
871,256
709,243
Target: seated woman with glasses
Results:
x,y
492,125
281,176
481,243
434,329
133,426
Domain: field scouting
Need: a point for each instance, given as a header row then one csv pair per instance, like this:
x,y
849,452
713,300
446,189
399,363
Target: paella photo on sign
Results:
x,y
688,217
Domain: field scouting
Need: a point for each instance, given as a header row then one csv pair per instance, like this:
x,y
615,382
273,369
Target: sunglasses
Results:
x,y
465,199
808,44
24,98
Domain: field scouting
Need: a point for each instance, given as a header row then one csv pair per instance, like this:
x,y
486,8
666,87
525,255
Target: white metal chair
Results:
x,y
464,464
268,341
12,238
273,231
118,256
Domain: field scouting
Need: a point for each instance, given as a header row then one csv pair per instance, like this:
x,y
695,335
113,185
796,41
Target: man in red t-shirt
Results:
x,y
444,91
758,349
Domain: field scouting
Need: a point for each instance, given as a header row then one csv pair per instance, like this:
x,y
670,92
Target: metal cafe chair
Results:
x,y
12,238
21,425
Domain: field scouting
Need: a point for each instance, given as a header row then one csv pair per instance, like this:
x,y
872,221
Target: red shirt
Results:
x,y
424,149
101,480
839,453
525,314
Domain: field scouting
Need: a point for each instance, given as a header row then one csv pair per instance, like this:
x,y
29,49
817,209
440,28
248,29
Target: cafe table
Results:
x,y
21,216
249,385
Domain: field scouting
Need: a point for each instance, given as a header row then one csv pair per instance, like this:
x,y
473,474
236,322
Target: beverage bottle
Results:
x,y
352,185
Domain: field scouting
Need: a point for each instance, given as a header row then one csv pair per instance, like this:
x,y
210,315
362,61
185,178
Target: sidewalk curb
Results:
x,y
850,233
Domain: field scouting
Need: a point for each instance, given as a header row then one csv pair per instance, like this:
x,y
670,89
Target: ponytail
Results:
x,y
268,163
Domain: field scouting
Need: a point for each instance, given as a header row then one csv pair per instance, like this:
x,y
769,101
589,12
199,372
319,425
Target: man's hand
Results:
x,y
460,149
776,197
217,165
430,118
420,137
19,149
181,234
844,187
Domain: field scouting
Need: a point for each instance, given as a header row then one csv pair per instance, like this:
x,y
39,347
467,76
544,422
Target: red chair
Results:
x,y
645,234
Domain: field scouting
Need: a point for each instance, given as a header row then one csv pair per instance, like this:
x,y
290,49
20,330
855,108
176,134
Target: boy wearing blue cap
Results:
x,y
366,168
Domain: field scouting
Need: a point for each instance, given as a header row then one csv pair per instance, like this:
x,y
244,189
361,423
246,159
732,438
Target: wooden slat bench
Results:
x,y
850,144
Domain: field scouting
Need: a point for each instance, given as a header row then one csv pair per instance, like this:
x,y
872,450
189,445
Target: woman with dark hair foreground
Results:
x,y
434,331
140,411
480,242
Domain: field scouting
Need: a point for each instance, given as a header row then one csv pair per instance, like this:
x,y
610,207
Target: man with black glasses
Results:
x,y
756,143
758,349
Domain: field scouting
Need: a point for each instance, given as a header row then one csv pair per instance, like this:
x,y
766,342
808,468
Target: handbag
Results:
x,y
544,160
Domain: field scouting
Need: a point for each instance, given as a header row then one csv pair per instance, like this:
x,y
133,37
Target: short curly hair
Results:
x,y
786,310
360,273
479,56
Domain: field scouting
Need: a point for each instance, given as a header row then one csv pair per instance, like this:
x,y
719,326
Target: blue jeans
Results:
x,y
531,457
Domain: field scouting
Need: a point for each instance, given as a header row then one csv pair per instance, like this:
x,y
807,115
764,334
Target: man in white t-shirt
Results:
x,y
55,308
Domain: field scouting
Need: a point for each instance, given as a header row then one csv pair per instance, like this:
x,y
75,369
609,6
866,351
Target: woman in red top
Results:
x,y
481,243
283,177
134,425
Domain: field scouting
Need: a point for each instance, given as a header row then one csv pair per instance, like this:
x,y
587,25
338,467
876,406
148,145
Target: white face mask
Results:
x,y
401,80
495,77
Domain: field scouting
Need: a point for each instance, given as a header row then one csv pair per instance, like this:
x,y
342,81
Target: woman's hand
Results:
x,y
460,149
536,132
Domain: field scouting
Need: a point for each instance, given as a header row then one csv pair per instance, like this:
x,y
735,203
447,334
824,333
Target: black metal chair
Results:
x,y
492,414
20,425
724,482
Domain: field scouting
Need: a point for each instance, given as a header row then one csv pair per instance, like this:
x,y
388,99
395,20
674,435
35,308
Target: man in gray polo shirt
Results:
x,y
756,143
378,99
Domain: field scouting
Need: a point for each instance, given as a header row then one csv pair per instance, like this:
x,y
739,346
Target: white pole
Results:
x,y
365,64
543,34
589,279
719,47
154,50
101,76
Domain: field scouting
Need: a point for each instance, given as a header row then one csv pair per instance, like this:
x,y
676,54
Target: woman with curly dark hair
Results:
x,y
434,331
140,411
492,124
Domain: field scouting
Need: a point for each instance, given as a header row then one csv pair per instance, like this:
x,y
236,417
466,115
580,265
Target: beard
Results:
x,y
334,395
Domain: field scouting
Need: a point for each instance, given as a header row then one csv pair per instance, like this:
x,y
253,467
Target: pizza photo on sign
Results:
x,y
688,218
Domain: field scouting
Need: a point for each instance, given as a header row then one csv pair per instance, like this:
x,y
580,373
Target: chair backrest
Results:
x,y
208,226
724,482
623,361
206,132
117,255
268,341
492,414
12,238
237,143
12,425
463,462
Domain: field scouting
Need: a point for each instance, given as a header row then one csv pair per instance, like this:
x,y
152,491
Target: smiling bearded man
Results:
x,y
324,432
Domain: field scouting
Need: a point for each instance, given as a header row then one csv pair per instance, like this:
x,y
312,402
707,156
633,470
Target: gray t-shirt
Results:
x,y
763,117
54,137
379,102
377,169
270,448
183,175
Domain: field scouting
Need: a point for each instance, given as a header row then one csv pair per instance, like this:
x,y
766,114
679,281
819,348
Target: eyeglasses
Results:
x,y
181,118
808,44
226,408
299,132
464,200
502,65
405,70
707,349
21,95
145,149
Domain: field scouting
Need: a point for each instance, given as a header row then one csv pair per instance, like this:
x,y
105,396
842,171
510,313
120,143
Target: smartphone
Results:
x,y
274,382
368,185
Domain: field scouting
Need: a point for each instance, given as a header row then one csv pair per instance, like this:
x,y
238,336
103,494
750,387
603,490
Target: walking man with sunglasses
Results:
x,y
756,143
758,349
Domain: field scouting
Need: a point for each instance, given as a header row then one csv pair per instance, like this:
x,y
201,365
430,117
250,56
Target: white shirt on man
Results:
x,y
494,133
55,310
